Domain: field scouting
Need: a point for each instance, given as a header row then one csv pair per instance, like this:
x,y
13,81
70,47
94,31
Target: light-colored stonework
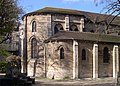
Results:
x,y
48,63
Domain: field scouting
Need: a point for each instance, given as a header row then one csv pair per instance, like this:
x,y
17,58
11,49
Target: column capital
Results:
x,y
75,42
96,45
115,46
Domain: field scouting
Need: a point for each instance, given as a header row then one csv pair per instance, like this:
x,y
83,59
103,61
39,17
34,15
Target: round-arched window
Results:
x,y
34,26
34,49
105,55
57,28
73,28
83,54
62,53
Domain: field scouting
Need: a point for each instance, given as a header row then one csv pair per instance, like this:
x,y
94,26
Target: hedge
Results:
x,y
3,67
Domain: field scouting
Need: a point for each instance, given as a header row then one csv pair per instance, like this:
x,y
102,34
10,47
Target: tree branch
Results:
x,y
8,36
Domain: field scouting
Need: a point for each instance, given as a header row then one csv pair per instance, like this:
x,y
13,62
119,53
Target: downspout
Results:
x,y
45,61
25,49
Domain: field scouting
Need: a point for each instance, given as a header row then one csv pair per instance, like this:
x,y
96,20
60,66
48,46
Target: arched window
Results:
x,y
57,28
34,48
73,28
61,53
34,26
105,55
83,54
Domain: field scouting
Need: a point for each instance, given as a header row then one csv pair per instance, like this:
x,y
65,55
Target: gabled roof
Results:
x,y
74,35
94,17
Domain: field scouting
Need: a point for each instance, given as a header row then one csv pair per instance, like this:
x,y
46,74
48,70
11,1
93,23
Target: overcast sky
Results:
x,y
83,5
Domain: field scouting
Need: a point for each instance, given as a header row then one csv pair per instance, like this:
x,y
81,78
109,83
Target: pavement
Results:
x,y
80,82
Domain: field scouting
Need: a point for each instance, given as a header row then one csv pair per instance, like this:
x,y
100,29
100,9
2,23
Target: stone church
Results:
x,y
59,43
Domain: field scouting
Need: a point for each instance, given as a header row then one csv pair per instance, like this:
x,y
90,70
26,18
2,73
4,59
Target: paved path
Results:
x,y
100,82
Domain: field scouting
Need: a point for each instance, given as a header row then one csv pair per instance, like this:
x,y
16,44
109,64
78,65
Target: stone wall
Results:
x,y
63,68
59,68
45,28
73,20
43,24
77,20
105,69
48,63
43,31
85,66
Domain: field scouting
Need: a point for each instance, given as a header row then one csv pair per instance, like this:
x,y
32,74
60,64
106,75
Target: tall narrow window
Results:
x,y
105,55
34,48
61,53
34,26
83,54
57,28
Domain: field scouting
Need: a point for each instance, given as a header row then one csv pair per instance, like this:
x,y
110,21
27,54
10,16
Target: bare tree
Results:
x,y
111,8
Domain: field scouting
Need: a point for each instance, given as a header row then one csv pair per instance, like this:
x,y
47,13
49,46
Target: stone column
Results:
x,y
81,24
22,56
49,19
67,23
21,31
115,61
75,59
95,61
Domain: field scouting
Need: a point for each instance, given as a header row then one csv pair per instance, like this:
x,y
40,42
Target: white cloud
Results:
x,y
89,0
71,0
77,0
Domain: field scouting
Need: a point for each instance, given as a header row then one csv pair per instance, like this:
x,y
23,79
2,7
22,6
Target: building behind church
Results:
x,y
63,43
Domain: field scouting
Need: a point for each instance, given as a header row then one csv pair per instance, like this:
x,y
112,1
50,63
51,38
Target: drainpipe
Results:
x,y
45,60
25,49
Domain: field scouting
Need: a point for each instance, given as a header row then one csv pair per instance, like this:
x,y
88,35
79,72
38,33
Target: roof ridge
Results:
x,y
73,10
94,17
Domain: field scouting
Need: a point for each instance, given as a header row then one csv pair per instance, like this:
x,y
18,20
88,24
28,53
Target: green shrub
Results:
x,y
14,64
3,67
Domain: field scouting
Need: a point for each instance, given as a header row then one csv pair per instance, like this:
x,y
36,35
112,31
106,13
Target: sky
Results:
x,y
82,5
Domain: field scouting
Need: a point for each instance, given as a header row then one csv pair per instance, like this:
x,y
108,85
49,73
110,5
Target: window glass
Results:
x,y
83,54
34,48
34,26
61,53
105,55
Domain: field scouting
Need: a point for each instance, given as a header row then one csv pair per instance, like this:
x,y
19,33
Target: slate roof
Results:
x,y
92,16
86,36
52,10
